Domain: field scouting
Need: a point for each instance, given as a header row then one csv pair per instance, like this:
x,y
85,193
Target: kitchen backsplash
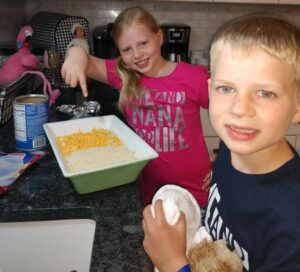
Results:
x,y
204,18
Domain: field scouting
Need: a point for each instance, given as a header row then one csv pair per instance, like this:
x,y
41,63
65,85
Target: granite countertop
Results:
x,y
42,193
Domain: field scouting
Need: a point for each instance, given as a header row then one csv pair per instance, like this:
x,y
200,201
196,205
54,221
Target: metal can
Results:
x,y
30,113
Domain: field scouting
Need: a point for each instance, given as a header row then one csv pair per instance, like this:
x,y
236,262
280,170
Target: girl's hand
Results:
x,y
206,182
165,244
74,68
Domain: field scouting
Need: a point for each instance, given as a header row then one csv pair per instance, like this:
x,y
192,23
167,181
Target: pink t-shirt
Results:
x,y
168,119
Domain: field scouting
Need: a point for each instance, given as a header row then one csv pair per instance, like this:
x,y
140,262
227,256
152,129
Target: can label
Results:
x,y
30,113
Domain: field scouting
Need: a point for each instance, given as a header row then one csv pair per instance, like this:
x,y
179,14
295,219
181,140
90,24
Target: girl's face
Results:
x,y
252,101
140,49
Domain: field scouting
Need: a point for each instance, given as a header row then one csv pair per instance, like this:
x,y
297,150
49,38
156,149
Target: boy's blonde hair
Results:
x,y
131,89
273,35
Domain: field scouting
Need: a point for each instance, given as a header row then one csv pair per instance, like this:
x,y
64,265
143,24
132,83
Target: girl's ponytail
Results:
x,y
131,90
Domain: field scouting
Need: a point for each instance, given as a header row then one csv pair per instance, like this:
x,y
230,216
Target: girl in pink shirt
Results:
x,y
160,99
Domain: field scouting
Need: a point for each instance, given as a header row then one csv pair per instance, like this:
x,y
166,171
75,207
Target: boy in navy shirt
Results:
x,y
254,200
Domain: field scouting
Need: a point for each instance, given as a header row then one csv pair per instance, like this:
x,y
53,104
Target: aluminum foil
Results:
x,y
88,108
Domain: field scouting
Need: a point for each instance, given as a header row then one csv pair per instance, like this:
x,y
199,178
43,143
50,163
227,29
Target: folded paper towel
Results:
x,y
175,200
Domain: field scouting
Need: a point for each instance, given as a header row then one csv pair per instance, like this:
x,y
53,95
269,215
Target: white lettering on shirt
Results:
x,y
217,228
163,119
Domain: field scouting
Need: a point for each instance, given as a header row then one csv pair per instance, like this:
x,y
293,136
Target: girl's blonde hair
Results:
x,y
131,90
273,35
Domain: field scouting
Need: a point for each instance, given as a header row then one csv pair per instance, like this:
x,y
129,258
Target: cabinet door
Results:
x,y
212,144
298,143
294,129
293,2
292,139
207,128
248,1
183,0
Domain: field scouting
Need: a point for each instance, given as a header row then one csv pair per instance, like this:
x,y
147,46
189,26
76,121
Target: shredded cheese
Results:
x,y
84,140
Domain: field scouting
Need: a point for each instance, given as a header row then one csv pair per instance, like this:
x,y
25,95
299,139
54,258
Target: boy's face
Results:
x,y
252,100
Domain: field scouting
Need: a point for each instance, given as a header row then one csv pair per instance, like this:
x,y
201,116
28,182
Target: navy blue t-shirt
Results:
x,y
259,215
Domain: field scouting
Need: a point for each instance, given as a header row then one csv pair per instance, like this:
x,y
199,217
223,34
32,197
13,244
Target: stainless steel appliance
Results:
x,y
176,42
103,43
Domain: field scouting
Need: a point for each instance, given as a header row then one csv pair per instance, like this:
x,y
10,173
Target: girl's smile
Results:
x,y
143,63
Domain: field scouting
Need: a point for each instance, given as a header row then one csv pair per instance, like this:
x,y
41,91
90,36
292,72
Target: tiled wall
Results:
x,y
204,18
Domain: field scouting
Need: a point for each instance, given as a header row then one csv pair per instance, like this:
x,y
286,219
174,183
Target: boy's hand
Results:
x,y
74,68
165,244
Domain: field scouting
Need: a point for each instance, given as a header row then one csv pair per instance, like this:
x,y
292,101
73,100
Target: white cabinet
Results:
x,y
248,1
212,144
276,2
294,129
236,1
292,139
293,136
298,144
211,138
293,2
183,1
207,128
